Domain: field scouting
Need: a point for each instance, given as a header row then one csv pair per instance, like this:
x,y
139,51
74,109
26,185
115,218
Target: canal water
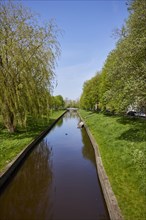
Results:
x,y
58,180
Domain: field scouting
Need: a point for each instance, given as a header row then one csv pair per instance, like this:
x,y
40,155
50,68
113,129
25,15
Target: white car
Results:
x,y
140,114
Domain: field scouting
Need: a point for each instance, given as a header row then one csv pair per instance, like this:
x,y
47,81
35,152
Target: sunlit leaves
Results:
x,y
123,77
27,59
90,95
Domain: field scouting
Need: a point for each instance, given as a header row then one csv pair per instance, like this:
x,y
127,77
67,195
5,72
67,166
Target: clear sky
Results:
x,y
87,38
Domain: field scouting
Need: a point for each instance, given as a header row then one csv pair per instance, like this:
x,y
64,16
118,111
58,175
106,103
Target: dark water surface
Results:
x,y
58,181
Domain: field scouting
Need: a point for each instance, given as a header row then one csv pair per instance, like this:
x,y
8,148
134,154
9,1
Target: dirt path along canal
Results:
x,y
58,180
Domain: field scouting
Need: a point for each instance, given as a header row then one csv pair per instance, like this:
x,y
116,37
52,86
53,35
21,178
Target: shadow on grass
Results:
x,y
134,135
131,120
136,131
33,129
135,128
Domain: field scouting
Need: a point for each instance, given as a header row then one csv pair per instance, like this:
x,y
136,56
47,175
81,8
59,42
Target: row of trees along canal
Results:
x,y
122,81
28,54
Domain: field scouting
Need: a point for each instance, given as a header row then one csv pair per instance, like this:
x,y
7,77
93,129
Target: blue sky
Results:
x,y
87,38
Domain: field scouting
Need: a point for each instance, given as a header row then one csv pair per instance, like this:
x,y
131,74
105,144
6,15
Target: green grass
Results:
x,y
122,144
13,144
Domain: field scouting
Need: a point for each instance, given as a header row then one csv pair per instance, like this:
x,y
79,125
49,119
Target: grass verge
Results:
x,y
122,144
12,144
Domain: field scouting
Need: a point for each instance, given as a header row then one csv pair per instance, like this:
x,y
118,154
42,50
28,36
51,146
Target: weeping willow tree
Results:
x,y
28,55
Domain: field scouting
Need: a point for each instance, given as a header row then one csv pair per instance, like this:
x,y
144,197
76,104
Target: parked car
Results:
x,y
131,113
134,113
140,114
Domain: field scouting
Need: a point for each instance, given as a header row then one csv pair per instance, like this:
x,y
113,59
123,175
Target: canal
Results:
x,y
58,180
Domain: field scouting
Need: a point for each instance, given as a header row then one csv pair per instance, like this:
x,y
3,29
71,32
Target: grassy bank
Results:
x,y
122,144
12,144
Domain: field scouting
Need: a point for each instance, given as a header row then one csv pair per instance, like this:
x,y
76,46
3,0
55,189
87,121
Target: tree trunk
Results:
x,y
8,117
11,128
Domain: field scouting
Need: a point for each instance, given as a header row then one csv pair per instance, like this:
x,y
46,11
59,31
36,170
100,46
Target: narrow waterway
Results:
x,y
58,180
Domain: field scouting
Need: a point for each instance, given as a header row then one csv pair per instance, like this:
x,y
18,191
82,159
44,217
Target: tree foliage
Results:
x,y
70,103
123,77
90,95
27,58
58,102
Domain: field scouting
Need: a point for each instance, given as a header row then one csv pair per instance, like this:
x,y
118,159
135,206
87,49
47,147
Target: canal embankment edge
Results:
x,y
110,198
11,168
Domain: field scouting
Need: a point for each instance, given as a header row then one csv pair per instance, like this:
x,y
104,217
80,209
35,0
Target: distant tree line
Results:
x,y
70,103
28,53
57,102
122,81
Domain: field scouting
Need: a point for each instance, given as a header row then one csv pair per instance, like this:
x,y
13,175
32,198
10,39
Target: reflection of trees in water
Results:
x,y
70,115
28,196
60,122
87,150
